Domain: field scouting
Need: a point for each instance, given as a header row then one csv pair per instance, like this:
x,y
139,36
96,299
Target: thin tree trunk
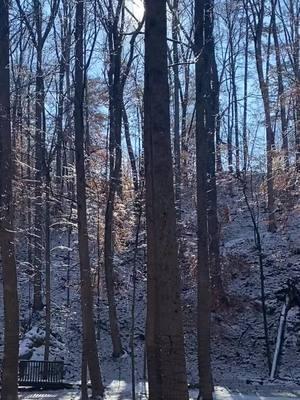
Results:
x,y
245,113
130,151
235,116
29,203
9,389
59,123
115,161
38,207
38,39
218,292
39,160
184,130
89,337
109,273
177,150
217,117
270,139
261,270
296,57
229,133
283,117
48,268
257,29
203,36
138,211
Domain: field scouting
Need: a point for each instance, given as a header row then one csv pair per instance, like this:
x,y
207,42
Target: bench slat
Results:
x,y
40,373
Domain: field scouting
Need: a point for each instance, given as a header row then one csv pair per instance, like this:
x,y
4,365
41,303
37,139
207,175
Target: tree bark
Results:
x,y
283,117
130,151
10,295
235,117
203,36
165,346
218,292
89,335
48,268
177,150
245,111
39,173
257,29
115,162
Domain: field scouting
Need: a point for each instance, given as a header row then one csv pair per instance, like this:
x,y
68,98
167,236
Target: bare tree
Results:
x,y
177,149
279,68
89,344
10,296
38,37
112,17
212,121
165,347
289,15
203,53
256,24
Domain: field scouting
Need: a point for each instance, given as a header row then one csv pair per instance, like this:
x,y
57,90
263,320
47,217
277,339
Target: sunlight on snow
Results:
x,y
137,8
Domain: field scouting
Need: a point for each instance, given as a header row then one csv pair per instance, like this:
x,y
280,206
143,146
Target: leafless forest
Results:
x,y
149,196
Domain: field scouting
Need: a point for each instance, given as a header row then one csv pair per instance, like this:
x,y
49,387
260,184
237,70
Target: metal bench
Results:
x,y
41,374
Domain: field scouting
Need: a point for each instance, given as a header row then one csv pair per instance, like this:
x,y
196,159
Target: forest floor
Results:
x,y
238,352
120,391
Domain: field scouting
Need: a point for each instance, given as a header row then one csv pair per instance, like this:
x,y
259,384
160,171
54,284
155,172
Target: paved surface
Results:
x,y
121,391
50,395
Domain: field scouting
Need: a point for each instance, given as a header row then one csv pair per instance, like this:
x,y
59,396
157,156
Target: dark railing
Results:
x,y
41,373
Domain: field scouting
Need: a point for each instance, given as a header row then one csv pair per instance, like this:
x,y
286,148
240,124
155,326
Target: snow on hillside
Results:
x,y
238,354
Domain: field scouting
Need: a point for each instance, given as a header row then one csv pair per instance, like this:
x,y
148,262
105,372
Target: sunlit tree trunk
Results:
x,y
90,352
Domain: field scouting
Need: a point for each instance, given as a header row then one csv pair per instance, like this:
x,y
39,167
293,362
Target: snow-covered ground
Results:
x,y
121,391
238,353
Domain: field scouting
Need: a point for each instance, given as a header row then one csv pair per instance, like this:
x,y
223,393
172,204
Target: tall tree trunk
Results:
x,y
294,9
217,117
59,121
203,36
89,336
279,67
38,39
39,170
165,346
184,129
39,160
257,27
270,136
115,161
10,295
297,130
245,112
235,116
130,151
177,150
229,133
29,202
218,292
48,267
109,271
